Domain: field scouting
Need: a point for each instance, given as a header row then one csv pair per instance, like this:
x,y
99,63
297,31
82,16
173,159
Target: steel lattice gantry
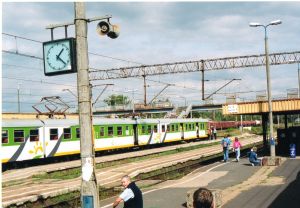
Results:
x,y
193,66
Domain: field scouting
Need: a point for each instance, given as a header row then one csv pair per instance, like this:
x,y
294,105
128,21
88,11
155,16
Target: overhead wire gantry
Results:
x,y
194,66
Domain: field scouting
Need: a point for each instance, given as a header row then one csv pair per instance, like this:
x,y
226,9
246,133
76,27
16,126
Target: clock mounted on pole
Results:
x,y
59,56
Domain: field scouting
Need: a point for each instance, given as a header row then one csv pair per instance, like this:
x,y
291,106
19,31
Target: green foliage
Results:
x,y
60,175
113,100
257,130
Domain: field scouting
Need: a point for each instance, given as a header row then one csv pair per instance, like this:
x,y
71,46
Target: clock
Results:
x,y
59,57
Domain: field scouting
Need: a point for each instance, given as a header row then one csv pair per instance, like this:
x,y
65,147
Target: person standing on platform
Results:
x,y
226,144
215,133
131,196
209,134
203,198
237,148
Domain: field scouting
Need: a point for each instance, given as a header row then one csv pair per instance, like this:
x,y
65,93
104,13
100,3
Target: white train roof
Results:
x,y
21,123
171,120
96,121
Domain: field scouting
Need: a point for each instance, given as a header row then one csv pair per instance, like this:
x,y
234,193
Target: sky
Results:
x,y
150,33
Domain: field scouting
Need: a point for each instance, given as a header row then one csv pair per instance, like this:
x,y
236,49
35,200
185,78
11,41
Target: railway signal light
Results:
x,y
105,28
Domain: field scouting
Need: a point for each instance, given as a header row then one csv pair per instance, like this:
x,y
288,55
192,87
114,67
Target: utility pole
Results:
x,y
89,188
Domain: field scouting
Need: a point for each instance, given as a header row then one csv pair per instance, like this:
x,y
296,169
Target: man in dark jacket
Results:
x,y
253,157
131,196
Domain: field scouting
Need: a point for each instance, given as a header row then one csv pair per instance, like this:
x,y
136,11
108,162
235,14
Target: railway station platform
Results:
x,y
241,185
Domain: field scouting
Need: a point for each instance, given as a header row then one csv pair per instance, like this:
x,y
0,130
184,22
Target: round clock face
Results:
x,y
58,56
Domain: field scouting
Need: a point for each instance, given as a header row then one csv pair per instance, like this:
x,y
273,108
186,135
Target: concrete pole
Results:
x,y
89,188
272,142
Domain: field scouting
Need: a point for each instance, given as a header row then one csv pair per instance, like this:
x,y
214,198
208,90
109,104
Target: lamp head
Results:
x,y
254,24
276,22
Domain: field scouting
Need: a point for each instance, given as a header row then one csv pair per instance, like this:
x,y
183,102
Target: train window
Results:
x,y
34,135
155,128
127,130
19,136
67,133
101,131
149,130
4,136
143,129
168,128
172,128
110,131
53,134
163,128
201,125
176,127
119,130
190,126
78,133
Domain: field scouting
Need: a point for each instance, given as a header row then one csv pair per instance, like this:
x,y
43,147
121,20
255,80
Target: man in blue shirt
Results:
x,y
226,144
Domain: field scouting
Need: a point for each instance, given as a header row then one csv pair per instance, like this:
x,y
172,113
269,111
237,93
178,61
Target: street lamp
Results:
x,y
254,24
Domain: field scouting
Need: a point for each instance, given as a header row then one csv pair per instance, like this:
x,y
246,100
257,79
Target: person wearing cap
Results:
x,y
253,157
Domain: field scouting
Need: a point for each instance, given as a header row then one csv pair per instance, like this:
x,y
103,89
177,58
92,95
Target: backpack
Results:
x,y
225,143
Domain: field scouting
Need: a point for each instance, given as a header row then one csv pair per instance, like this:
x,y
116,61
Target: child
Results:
x,y
237,148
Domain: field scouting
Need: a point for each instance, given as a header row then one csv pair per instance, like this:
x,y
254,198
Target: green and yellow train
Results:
x,y
38,139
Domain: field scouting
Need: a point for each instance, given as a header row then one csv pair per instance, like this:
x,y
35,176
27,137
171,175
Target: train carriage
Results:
x,y
113,133
21,140
37,139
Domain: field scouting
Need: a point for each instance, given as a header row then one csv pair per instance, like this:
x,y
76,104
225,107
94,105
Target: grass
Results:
x,y
76,172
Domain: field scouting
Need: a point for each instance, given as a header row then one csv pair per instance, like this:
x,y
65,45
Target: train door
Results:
x,y
197,130
163,128
135,134
182,131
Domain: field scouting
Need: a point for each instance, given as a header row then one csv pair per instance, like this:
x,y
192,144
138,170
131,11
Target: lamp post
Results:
x,y
276,22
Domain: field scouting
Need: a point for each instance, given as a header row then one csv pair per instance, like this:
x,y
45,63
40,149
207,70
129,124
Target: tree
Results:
x,y
113,100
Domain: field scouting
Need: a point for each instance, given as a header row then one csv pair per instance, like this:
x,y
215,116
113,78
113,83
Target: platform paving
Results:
x,y
269,186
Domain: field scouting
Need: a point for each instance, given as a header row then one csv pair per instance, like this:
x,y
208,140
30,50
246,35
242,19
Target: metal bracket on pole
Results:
x,y
65,25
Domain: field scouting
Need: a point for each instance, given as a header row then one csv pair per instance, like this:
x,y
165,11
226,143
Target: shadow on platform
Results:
x,y
290,196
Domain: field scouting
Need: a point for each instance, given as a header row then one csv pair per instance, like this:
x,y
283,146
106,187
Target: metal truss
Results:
x,y
194,66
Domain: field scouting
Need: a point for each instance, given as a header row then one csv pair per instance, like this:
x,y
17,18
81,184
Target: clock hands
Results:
x,y
60,52
58,56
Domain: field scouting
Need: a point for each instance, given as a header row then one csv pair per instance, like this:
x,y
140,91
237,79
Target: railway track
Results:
x,y
31,190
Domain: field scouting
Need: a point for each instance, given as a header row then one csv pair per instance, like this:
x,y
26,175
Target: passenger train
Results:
x,y
25,140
